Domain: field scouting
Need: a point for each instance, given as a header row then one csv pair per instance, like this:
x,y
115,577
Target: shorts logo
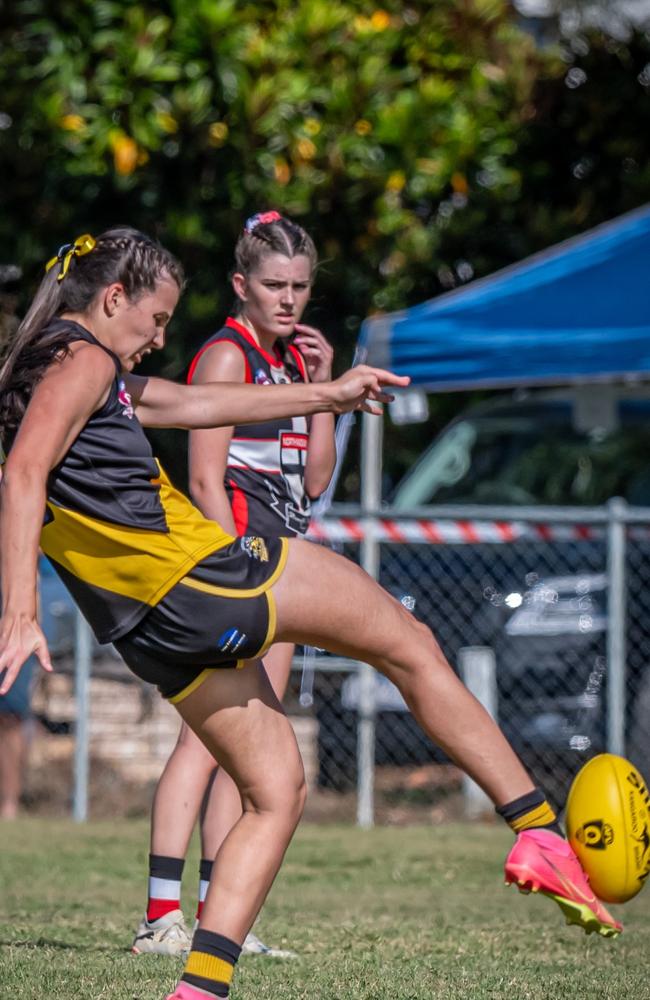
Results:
x,y
231,640
255,547
596,834
125,399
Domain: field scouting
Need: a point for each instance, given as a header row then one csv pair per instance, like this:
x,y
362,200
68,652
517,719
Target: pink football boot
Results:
x,y
184,991
542,861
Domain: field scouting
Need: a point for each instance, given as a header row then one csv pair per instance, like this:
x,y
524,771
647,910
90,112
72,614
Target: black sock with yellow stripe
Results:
x,y
529,812
211,963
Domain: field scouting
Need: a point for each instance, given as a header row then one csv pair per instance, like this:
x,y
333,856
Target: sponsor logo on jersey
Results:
x,y
255,547
280,376
125,399
299,441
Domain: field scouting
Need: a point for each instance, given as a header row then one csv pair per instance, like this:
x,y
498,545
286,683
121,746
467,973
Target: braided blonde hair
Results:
x,y
277,235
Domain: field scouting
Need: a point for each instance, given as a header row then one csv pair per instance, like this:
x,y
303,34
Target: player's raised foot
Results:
x,y
167,935
542,861
253,946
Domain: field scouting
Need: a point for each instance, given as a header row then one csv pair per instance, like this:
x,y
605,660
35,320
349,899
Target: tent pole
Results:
x,y
616,651
371,476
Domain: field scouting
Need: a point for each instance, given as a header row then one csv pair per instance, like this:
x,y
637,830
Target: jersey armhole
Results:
x,y
206,347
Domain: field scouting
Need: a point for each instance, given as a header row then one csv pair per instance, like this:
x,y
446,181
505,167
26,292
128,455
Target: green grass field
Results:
x,y
395,913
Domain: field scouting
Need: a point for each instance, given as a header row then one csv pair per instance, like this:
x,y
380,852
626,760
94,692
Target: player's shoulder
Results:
x,y
88,356
220,359
85,367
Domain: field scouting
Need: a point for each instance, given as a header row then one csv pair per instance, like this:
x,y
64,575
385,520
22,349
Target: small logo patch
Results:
x,y
255,547
596,834
125,399
231,640
261,378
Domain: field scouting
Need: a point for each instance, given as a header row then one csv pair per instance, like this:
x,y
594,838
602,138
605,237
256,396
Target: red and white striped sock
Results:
x,y
205,871
165,876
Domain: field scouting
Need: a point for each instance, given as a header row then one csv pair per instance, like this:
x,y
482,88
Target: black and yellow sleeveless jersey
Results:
x,y
116,531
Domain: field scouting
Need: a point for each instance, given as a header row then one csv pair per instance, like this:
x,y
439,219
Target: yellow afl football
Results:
x,y
608,826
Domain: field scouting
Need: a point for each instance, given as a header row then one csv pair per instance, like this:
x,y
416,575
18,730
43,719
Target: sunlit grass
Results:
x,y
395,913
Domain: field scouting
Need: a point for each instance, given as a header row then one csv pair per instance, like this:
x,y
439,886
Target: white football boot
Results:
x,y
167,935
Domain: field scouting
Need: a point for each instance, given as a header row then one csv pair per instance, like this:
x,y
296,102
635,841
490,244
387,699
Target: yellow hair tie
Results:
x,y
81,246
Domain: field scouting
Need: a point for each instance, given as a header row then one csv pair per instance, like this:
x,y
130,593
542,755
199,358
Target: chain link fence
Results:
x,y
557,603
570,644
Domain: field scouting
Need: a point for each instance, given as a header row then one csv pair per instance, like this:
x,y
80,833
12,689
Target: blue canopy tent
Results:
x,y
578,312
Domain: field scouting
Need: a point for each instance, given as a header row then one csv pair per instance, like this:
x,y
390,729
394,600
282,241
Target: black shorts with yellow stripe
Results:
x,y
219,615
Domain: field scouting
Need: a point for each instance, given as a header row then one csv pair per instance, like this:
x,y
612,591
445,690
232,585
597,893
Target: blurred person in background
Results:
x,y
15,713
15,706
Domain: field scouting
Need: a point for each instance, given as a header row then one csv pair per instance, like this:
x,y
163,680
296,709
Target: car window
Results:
x,y
533,456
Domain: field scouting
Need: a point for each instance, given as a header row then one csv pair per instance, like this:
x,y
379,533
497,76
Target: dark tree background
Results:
x,y
422,144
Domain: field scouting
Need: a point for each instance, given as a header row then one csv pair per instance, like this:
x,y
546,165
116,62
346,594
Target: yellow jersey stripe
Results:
x,y
142,565
132,562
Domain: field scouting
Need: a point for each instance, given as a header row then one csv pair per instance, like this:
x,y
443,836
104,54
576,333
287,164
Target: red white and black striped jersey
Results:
x,y
265,473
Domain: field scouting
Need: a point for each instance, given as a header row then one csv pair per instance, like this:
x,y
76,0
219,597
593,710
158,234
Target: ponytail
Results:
x,y
72,280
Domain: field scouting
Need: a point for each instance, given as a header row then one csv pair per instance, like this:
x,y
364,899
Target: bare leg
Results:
x,y
238,717
223,807
13,745
179,793
343,610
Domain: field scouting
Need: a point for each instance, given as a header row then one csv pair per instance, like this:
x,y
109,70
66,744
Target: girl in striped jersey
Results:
x,y
254,478
171,588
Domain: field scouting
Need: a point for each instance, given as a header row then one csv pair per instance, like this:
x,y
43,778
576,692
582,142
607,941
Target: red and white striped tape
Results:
x,y
434,532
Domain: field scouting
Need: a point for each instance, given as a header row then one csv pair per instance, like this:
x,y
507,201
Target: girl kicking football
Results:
x,y
192,609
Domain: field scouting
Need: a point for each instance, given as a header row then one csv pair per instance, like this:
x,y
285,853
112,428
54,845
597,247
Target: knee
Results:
x,y
427,641
293,796
283,798
296,805
415,650
301,797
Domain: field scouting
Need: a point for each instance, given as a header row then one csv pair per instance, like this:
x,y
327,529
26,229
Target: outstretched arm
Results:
x,y
60,406
168,404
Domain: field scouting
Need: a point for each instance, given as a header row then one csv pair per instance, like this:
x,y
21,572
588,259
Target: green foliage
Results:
x,y
185,117
421,143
